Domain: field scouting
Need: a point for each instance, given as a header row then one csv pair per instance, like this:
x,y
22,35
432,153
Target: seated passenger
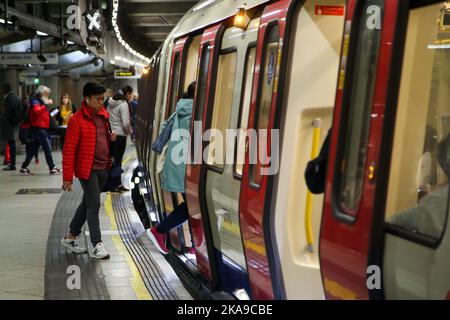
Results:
x,y
173,174
428,217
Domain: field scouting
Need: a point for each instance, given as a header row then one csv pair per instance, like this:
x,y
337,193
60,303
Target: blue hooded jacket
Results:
x,y
174,169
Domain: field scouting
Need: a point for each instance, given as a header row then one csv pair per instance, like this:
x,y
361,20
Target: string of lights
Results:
x,y
124,43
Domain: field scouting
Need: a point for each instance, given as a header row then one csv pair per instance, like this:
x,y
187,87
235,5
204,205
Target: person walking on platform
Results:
x,y
39,118
119,113
173,174
12,117
86,155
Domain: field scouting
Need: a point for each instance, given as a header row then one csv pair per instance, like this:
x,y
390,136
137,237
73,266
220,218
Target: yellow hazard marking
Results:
x,y
136,280
339,291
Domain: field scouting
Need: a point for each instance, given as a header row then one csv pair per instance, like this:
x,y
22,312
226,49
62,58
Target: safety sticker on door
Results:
x,y
330,10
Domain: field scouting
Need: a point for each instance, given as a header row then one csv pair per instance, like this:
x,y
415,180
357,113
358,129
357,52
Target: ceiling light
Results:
x,y
40,33
70,42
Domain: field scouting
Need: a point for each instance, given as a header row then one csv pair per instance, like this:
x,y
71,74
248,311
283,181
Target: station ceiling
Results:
x,y
146,23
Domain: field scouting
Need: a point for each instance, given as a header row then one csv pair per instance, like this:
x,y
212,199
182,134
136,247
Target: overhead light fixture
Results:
x,y
112,62
146,70
241,19
40,33
70,42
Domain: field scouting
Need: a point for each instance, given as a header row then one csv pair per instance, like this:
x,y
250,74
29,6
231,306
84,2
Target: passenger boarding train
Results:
x,y
375,71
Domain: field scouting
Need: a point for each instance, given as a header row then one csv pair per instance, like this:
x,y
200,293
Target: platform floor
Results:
x,y
33,265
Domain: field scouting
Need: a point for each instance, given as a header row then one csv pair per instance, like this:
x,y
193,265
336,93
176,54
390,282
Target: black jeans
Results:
x,y
90,206
178,216
118,149
40,139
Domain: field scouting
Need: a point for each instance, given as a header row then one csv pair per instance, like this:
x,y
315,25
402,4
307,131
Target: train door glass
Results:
x,y
245,107
174,92
191,62
222,109
268,86
203,78
358,106
416,256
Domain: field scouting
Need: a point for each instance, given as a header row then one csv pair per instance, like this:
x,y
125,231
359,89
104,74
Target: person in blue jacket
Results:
x,y
174,168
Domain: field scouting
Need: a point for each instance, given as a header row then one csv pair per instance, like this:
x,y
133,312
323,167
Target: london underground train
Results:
x,y
377,73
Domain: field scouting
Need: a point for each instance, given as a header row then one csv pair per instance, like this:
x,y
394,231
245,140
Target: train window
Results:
x,y
417,197
357,109
268,87
203,78
174,93
245,108
223,100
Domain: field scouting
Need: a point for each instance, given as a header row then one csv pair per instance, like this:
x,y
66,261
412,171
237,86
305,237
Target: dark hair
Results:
x,y
7,88
93,88
444,155
190,93
123,93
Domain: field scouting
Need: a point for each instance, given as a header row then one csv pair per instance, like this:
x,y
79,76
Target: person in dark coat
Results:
x,y
10,129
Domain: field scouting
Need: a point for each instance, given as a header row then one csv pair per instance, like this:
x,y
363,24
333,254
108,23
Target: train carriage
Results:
x,y
377,73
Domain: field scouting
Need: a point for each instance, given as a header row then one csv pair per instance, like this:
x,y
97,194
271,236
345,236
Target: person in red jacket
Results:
x,y
86,155
39,118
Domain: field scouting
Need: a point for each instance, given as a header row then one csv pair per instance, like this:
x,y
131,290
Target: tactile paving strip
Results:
x,y
92,282
154,279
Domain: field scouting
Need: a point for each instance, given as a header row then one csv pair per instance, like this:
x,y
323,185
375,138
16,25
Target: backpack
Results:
x,y
18,111
316,169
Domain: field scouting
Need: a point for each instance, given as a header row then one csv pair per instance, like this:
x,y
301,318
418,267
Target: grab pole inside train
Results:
x,y
316,124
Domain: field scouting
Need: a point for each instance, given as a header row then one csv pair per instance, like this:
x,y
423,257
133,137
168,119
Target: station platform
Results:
x,y
35,217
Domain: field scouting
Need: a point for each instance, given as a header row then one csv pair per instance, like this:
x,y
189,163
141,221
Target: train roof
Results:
x,y
208,12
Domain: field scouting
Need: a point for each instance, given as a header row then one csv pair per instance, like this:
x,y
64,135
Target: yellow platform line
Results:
x,y
137,282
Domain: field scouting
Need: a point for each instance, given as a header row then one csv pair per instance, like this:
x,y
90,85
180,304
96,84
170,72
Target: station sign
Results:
x,y
125,74
28,58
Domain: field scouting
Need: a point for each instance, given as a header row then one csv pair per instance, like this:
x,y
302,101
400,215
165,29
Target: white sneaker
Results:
x,y
99,252
72,245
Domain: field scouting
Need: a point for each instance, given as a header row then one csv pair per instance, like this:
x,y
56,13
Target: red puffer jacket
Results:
x,y
38,114
80,143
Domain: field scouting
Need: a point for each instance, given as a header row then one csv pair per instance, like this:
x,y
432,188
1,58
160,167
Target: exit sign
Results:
x,y
125,74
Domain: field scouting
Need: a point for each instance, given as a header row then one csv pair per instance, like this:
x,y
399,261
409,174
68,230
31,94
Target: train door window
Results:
x,y
245,108
203,78
268,87
174,93
191,62
418,192
223,100
358,104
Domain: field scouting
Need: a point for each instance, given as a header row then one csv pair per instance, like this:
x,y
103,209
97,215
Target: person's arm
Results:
x,y
125,116
69,150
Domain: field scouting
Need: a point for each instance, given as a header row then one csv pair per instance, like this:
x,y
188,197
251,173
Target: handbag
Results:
x,y
315,173
164,135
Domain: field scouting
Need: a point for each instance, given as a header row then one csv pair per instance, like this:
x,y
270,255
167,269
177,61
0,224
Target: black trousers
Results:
x,y
118,149
90,206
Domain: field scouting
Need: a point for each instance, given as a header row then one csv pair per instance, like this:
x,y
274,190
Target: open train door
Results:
x,y
351,230
413,193
256,222
209,45
384,231
176,80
